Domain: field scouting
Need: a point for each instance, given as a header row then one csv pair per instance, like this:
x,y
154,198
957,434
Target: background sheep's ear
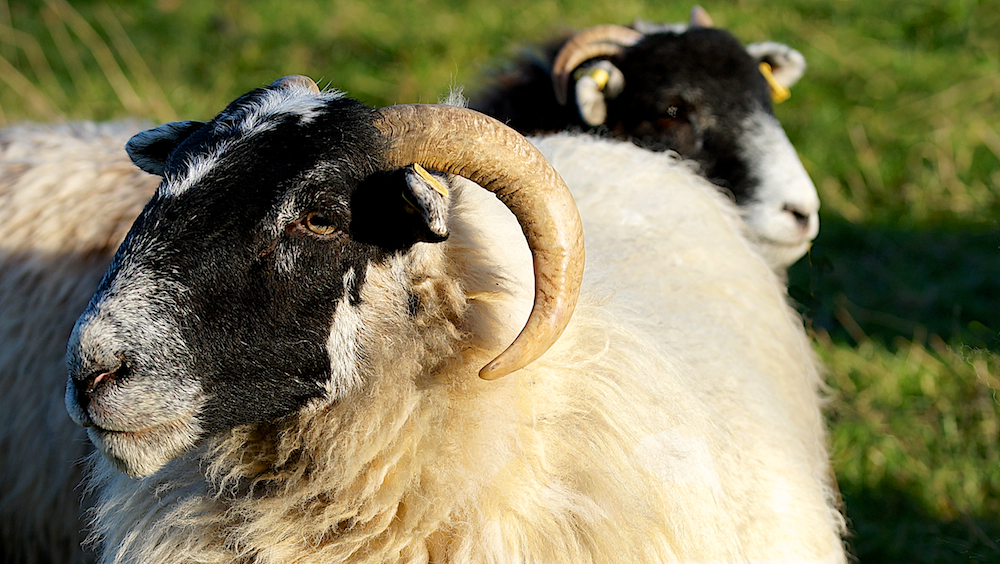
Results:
x,y
787,64
595,85
150,149
397,209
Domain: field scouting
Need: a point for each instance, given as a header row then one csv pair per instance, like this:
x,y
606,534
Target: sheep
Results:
x,y
280,364
694,90
68,194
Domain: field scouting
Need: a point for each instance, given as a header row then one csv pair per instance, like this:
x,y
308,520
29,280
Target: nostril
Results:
x,y
800,217
93,383
99,379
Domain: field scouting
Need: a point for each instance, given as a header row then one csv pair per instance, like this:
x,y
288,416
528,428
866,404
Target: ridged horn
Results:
x,y
477,147
700,18
597,41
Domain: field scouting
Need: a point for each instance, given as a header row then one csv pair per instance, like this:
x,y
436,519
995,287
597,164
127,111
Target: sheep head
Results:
x,y
242,291
698,91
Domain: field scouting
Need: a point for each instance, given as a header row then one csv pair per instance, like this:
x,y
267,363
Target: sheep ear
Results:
x,y
399,208
595,85
787,64
425,200
150,149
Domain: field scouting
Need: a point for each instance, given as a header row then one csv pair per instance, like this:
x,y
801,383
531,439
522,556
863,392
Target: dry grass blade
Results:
x,y
6,38
965,94
102,54
866,156
152,93
82,81
32,95
36,59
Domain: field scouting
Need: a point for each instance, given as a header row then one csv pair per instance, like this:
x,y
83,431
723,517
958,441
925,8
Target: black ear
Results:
x,y
150,149
397,209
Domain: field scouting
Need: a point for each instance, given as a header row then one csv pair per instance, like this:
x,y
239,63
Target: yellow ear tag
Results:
x,y
778,92
600,76
434,182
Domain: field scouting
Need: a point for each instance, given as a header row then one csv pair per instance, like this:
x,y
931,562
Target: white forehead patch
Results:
x,y
261,113
248,120
197,167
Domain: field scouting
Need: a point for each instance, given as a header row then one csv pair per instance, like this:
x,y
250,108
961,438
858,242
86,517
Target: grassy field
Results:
x,y
897,120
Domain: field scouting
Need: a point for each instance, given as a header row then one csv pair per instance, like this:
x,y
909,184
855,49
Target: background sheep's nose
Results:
x,y
802,218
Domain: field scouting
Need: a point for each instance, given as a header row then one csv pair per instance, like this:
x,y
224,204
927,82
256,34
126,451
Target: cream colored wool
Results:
x,y
676,420
68,194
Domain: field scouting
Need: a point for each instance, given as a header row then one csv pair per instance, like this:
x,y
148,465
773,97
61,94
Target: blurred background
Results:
x,y
897,120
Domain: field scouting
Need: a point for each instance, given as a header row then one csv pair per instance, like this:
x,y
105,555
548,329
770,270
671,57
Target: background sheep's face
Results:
x,y
705,98
691,93
233,299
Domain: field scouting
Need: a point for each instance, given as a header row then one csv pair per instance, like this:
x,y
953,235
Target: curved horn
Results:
x,y
597,41
700,18
480,148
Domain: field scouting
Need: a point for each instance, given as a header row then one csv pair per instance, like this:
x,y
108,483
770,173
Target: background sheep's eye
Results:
x,y
677,111
319,223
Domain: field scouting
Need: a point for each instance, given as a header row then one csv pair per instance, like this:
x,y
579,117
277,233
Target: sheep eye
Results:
x,y
678,111
319,223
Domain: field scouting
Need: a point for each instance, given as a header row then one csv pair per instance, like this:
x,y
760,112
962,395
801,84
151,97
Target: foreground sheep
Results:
x,y
281,363
67,197
692,90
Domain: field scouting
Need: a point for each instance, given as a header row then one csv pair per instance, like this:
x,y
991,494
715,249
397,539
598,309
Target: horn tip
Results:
x,y
492,372
296,81
700,18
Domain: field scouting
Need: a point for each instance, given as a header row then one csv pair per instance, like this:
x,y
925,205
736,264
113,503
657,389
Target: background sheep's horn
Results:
x,y
480,148
597,41
295,80
700,18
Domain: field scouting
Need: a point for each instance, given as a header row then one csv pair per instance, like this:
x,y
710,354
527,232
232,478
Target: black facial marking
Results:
x,y
253,259
695,100
689,92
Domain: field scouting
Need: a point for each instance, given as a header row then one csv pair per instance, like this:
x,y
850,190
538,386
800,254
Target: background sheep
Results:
x,y
693,90
611,447
67,198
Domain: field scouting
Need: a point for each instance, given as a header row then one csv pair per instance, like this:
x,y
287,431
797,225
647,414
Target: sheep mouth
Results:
x,y
140,452
804,241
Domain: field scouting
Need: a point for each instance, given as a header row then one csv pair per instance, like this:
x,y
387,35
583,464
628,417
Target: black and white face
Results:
x,y
236,296
705,98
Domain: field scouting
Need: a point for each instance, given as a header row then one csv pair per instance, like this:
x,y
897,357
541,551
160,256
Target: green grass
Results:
x,y
897,120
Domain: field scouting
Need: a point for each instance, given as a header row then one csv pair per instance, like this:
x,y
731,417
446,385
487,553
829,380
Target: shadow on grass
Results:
x,y
915,537
880,282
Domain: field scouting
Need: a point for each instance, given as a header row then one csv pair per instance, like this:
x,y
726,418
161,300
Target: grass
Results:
x,y
897,120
